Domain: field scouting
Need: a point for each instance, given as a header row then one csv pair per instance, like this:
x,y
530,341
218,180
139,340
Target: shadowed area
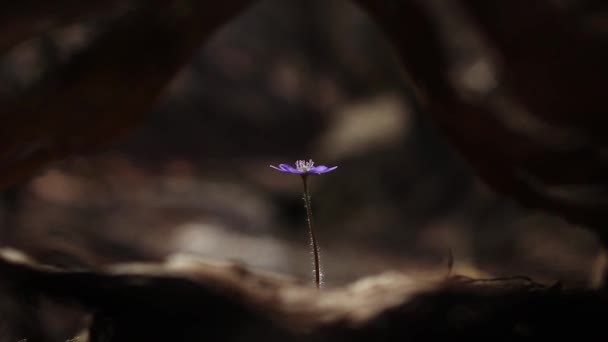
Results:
x,y
142,301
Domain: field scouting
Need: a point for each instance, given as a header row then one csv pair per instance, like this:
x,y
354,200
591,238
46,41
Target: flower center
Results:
x,y
304,166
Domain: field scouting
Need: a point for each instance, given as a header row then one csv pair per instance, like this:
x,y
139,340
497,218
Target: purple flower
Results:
x,y
304,168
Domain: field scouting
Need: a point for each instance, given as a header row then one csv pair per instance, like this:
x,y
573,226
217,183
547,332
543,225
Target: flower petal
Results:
x,y
278,168
318,169
287,169
321,169
292,169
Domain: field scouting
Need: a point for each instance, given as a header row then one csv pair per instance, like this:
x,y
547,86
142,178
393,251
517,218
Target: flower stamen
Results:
x,y
305,166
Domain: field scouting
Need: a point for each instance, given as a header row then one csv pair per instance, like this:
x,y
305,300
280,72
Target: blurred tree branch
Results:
x,y
518,90
107,87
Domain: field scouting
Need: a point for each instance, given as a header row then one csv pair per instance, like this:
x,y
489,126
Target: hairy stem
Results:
x,y
313,239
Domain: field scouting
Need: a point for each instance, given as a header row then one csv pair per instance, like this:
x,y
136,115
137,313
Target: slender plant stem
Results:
x,y
313,239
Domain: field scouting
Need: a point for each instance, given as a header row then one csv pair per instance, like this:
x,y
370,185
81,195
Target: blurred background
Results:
x,y
278,81
282,81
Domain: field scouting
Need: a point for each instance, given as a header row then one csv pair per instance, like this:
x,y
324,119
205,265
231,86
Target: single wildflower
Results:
x,y
305,168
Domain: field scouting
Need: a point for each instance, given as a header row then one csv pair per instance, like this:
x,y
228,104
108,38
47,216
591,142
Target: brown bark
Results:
x,y
23,19
196,300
